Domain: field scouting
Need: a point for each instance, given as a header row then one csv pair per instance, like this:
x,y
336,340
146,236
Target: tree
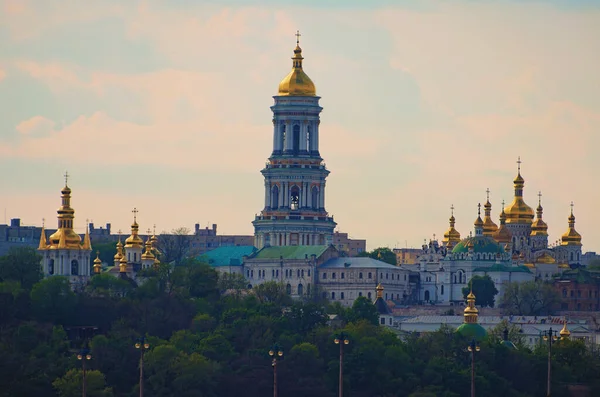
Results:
x,y
21,264
515,334
530,298
484,290
594,264
176,246
383,254
70,385
231,282
53,300
272,292
362,309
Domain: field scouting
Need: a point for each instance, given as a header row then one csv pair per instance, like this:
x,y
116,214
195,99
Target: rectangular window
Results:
x,y
341,295
324,276
360,275
333,275
342,275
382,321
370,276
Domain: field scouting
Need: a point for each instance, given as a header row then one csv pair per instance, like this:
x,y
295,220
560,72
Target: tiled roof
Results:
x,y
291,252
363,262
227,256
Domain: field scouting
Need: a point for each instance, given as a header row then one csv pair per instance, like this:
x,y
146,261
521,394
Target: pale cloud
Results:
x,y
36,126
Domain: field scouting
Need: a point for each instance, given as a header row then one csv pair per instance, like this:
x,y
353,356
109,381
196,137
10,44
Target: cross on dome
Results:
x,y
135,211
66,178
519,164
452,209
298,36
487,191
540,197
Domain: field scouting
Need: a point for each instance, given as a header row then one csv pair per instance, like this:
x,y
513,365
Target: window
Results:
x,y
386,296
360,294
370,275
333,275
333,296
51,267
315,198
381,276
360,275
275,197
405,277
308,272
273,273
341,295
369,295
251,273
288,289
296,139
442,290
300,289
324,276
382,320
572,293
302,273
277,273
298,273
387,276
564,293
294,198
342,276
74,267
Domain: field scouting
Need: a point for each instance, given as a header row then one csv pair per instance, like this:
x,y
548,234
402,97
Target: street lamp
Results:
x,y
84,355
550,336
143,346
473,347
275,352
341,339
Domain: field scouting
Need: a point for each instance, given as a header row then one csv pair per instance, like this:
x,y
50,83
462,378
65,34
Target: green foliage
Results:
x,y
21,264
362,309
71,384
531,298
53,300
383,254
484,290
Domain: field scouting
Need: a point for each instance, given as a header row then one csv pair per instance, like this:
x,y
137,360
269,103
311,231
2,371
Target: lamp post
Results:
x,y
341,339
551,337
143,346
84,355
473,347
275,352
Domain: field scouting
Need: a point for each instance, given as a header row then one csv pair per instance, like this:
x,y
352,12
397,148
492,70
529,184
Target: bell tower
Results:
x,y
294,211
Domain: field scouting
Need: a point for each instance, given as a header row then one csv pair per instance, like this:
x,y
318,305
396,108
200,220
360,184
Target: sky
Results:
x,y
165,106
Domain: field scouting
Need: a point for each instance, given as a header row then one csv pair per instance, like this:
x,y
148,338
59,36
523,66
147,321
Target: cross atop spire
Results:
x,y
298,36
519,164
43,222
452,209
487,191
66,178
479,209
540,197
572,205
135,212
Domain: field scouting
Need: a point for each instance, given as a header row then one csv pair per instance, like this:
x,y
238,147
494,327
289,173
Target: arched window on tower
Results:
x,y
294,198
74,267
308,132
51,267
296,139
275,197
315,197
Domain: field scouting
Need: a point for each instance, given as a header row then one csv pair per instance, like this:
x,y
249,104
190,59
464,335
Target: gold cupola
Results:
x,y
148,255
478,222
503,235
119,253
297,83
518,211
452,236
489,227
571,237
65,237
539,227
134,241
97,263
564,332
123,264
471,313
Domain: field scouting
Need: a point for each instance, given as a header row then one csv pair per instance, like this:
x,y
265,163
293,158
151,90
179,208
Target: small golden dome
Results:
x,y
134,241
297,83
148,252
571,236
452,236
518,211
564,332
97,263
503,235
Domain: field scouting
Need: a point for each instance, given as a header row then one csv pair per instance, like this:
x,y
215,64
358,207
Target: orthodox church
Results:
x,y
517,250
63,253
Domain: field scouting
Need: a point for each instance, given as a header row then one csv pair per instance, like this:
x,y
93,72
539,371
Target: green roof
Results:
x,y
472,331
227,256
481,244
497,267
291,252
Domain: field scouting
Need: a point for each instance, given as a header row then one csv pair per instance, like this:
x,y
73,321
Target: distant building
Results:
x,y
204,240
348,246
579,289
407,256
18,235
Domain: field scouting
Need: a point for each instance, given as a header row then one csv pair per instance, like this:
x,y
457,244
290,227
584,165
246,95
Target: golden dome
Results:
x,y
148,253
119,253
452,236
97,263
545,259
489,227
571,237
471,313
134,241
503,235
123,265
518,211
297,83
564,332
65,237
539,227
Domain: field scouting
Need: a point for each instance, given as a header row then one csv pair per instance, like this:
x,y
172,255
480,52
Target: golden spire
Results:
x,y
87,244
297,83
134,241
478,222
43,244
97,263
66,215
154,239
571,237
489,227
452,236
503,235
379,291
148,252
564,332
518,211
539,227
119,253
471,313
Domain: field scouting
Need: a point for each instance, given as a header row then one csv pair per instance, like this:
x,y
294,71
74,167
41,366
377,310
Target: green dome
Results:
x,y
481,244
472,331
